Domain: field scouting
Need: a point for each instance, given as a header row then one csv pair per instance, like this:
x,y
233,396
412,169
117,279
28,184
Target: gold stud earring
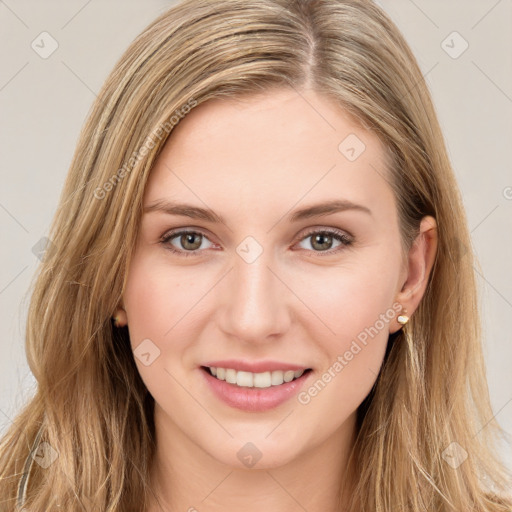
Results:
x,y
402,318
116,321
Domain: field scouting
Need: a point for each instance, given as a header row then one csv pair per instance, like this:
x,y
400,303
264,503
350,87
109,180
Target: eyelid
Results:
x,y
331,230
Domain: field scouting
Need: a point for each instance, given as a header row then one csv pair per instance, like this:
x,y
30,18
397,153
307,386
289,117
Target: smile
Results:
x,y
255,380
254,392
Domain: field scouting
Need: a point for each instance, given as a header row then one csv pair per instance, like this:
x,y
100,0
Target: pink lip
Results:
x,y
254,367
253,399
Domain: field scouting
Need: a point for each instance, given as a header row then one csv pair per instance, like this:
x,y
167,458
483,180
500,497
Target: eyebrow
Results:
x,y
206,214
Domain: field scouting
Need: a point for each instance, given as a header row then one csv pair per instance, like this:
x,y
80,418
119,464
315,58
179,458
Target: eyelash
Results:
x,y
337,234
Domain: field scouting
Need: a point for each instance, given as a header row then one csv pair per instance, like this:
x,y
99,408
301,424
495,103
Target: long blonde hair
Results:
x,y
91,419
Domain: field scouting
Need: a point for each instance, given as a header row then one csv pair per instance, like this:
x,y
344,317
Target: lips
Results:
x,y
253,399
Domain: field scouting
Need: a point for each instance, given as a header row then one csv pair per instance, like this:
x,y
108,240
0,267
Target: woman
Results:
x,y
255,294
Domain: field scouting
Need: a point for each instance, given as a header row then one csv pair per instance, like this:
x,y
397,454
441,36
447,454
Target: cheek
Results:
x,y
156,297
166,304
353,314
343,301
145,292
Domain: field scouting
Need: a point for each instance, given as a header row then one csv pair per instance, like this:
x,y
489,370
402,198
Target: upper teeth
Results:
x,y
255,380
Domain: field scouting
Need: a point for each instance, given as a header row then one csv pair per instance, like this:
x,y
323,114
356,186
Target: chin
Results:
x,y
254,455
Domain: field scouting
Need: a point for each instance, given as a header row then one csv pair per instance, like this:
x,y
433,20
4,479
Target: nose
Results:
x,y
255,302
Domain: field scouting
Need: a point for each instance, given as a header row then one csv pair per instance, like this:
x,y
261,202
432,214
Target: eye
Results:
x,y
322,240
190,242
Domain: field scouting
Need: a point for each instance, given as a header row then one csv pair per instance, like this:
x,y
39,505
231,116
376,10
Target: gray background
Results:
x,y
44,102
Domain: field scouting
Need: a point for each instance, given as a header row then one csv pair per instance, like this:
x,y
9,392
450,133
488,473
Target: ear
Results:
x,y
120,317
419,264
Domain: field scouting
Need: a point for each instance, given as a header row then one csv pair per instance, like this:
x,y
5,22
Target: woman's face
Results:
x,y
266,285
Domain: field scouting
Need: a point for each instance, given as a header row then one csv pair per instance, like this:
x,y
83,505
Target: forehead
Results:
x,y
267,151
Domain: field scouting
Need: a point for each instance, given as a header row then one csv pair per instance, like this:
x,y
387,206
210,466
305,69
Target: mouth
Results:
x,y
262,380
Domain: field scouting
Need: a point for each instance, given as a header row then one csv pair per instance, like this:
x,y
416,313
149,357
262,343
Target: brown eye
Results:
x,y
322,241
191,241
188,242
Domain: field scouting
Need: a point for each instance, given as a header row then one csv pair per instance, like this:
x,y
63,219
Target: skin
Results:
x,y
254,161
